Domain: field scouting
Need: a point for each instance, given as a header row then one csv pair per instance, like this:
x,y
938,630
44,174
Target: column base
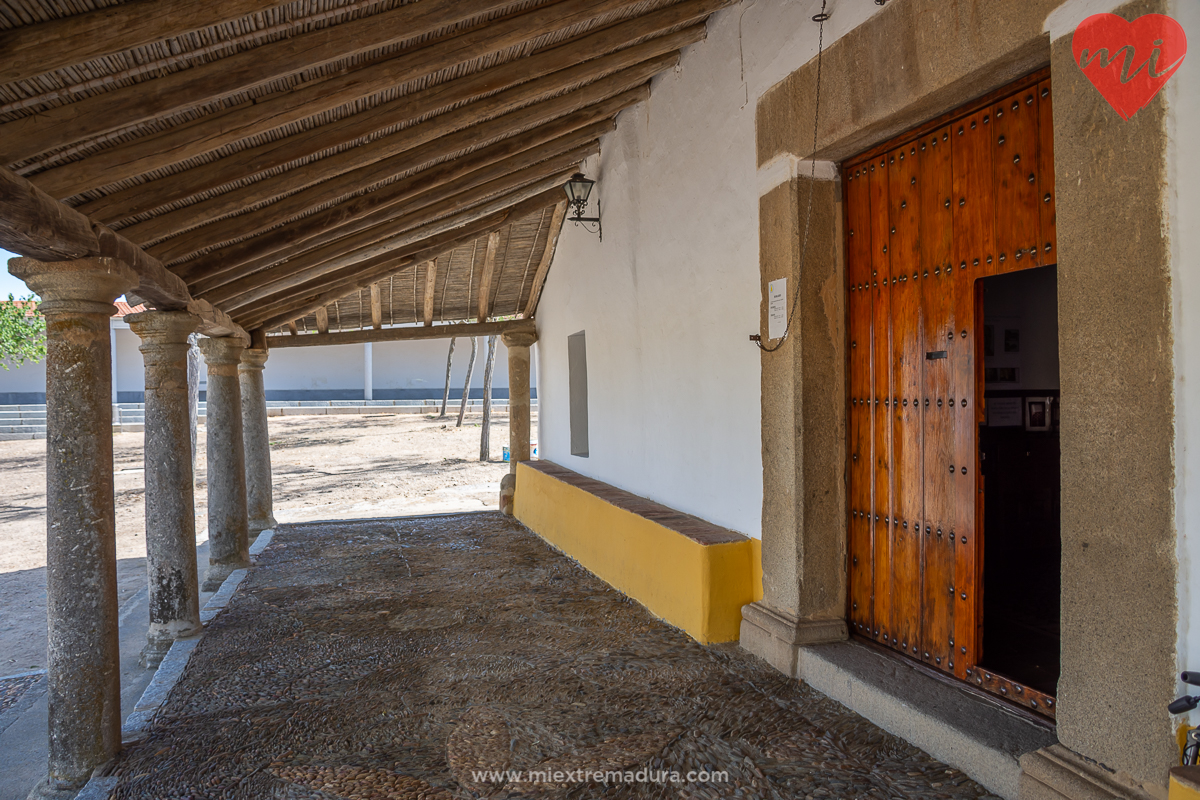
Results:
x,y
257,526
45,791
776,636
216,574
1057,773
508,493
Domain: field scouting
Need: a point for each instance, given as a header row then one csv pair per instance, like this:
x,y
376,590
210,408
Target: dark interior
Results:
x,y
1019,448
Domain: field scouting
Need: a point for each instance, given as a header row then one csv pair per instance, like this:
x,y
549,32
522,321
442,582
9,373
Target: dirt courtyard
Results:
x,y
325,467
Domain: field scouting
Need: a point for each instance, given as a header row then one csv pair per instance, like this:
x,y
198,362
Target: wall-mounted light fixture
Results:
x,y
579,188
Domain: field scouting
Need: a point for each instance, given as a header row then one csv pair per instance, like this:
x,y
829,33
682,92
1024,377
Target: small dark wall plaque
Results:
x,y
935,354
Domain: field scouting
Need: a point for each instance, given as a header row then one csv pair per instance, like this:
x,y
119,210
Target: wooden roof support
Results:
x,y
405,333
173,188
246,120
539,278
322,320
274,311
420,188
292,329
430,286
35,225
485,277
33,50
207,82
446,215
350,171
227,264
376,307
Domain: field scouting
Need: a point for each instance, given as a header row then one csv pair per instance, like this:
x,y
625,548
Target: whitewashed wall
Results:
x,y
669,298
1183,230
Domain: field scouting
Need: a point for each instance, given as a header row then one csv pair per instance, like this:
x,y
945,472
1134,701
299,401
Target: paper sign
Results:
x,y
776,308
1004,411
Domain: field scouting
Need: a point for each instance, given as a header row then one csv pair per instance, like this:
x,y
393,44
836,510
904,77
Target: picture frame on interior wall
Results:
x,y
1037,413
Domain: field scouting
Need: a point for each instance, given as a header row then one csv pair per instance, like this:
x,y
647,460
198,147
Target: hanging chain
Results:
x,y
812,183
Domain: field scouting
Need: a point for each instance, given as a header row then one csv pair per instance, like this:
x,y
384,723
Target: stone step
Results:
x,y
12,437
22,428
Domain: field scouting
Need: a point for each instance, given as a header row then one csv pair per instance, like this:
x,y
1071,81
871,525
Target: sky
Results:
x,y
9,284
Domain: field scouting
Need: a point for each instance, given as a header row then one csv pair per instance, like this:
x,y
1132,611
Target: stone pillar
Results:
x,y
803,429
228,540
170,491
83,666
257,441
518,344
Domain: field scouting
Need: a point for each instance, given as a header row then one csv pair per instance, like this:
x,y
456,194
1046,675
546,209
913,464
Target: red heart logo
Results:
x,y
1129,61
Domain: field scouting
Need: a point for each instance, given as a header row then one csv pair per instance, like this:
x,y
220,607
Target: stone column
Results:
x,y
83,666
257,441
518,344
170,492
228,541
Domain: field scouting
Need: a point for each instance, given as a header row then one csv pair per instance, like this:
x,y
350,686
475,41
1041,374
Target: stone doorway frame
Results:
x,y
910,62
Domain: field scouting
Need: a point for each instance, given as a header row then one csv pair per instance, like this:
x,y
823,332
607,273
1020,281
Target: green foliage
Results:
x,y
22,332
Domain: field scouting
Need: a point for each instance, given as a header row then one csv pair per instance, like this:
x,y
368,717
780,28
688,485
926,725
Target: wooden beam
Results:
x,y
376,307
446,215
421,188
322,319
35,225
406,333
215,322
484,306
220,78
274,311
247,120
186,183
430,286
349,172
33,50
291,326
539,278
225,264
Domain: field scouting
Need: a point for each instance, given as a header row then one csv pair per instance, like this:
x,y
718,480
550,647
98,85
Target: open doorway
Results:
x,y
1019,452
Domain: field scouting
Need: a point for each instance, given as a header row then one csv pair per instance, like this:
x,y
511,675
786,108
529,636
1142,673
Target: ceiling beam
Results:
x,y
215,80
33,50
322,320
35,225
484,306
277,110
430,287
405,333
399,233
304,232
274,311
174,188
376,306
539,278
297,190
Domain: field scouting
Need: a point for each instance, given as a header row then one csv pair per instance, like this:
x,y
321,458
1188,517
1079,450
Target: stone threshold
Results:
x,y
101,785
979,735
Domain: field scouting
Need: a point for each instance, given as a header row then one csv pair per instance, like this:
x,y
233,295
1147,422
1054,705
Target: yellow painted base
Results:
x,y
1185,783
699,588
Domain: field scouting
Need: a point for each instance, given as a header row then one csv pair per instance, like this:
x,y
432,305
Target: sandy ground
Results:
x,y
325,467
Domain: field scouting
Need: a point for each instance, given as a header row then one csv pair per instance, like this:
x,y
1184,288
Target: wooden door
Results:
x,y
965,196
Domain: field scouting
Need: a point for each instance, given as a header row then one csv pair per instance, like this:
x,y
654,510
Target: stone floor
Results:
x,y
410,658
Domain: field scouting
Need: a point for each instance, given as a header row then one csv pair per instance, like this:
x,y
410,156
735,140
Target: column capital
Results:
x,y
518,338
224,351
80,286
253,358
163,327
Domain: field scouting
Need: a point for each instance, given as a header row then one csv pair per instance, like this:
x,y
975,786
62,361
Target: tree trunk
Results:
x,y
446,391
462,410
485,440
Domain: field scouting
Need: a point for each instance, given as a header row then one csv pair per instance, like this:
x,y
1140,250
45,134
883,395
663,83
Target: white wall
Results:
x,y
421,366
1183,230
670,296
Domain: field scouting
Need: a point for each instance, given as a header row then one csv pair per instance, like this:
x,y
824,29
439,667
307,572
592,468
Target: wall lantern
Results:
x,y
579,188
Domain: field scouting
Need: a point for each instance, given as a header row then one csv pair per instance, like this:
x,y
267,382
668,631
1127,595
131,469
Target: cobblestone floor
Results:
x,y
11,689
395,658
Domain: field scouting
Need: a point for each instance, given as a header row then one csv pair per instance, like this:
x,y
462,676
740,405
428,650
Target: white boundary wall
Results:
x,y
669,298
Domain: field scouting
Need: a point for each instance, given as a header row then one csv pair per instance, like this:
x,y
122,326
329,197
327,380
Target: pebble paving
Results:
x,y
395,659
11,689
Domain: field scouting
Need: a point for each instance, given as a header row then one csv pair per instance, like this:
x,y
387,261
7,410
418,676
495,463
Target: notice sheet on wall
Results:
x,y
1003,411
776,308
